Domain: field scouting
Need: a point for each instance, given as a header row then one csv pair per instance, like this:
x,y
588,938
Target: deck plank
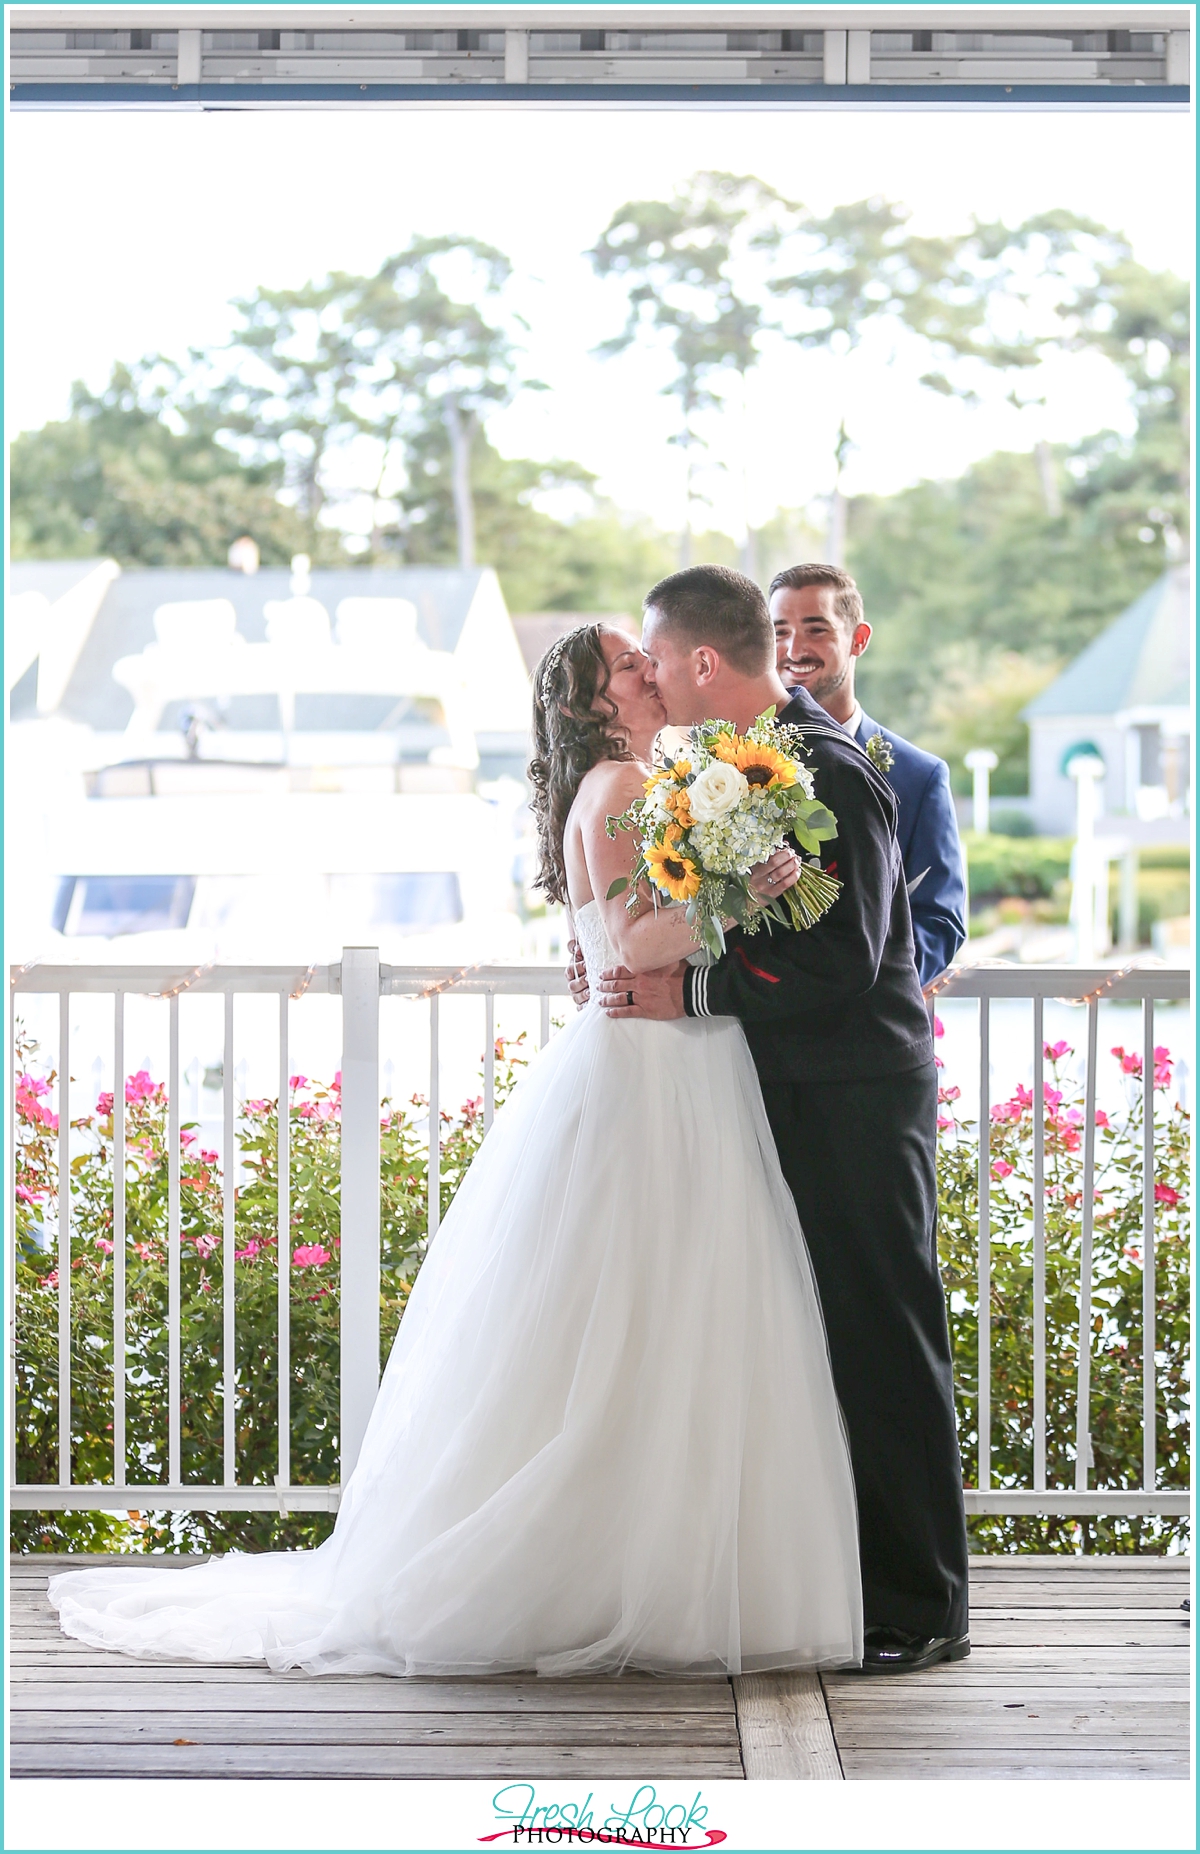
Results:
x,y
1079,1669
783,1723
436,1762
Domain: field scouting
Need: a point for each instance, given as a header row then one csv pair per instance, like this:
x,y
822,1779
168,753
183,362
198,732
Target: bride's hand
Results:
x,y
771,878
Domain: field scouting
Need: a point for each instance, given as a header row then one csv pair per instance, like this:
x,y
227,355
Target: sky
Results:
x,y
129,234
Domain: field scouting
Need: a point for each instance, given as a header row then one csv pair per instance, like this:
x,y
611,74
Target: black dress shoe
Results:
x,y
896,1651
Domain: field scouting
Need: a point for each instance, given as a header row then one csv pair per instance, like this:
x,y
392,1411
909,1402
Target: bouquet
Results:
x,y
707,817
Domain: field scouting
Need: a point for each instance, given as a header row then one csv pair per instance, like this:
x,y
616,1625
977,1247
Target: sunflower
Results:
x,y
673,872
762,765
725,747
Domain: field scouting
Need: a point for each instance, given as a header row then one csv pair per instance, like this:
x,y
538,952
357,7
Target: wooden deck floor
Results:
x,y
1079,1668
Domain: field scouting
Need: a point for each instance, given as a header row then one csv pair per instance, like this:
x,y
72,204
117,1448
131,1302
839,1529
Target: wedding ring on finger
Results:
x,y
629,999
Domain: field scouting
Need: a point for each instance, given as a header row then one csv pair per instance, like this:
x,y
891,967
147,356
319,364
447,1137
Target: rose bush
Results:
x,y
314,1112
314,1116
1116,1341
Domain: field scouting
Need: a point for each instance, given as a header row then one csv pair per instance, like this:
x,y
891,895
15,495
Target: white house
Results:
x,y
1128,697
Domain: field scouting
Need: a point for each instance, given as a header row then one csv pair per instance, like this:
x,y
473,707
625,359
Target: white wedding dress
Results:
x,y
607,1435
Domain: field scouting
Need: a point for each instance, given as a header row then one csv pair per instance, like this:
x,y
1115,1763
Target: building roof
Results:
x,y
124,624
50,577
536,631
1142,660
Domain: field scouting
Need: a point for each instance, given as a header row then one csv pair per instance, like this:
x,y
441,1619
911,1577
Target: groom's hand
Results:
x,y
577,978
644,994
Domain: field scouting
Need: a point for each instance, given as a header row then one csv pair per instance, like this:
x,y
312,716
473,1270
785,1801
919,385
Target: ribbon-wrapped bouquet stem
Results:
x,y
711,814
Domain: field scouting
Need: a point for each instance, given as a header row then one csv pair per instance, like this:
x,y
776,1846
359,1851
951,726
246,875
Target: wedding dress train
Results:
x,y
607,1435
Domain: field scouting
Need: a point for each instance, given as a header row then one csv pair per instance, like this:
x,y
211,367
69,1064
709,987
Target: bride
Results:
x,y
607,1435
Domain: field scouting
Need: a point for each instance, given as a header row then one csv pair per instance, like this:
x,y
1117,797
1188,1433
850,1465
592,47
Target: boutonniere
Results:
x,y
880,754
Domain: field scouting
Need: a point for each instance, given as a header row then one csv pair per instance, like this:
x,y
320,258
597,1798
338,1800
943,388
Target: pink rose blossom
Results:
x,y
939,1028
139,1087
50,1280
944,1123
205,1246
1001,1168
27,1197
1053,1096
1163,1194
248,1253
297,1081
105,1247
310,1255
1054,1052
1102,1119
949,1094
1023,1096
104,1106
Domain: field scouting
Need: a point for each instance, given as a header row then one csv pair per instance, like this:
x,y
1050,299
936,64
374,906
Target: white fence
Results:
x,y
361,981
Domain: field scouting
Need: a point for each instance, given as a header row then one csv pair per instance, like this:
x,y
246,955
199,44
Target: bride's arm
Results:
x,y
643,936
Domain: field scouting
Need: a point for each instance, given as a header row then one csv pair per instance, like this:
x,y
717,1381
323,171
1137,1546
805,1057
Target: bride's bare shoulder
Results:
x,y
611,783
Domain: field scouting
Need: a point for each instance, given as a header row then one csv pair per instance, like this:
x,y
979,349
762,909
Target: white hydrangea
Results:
x,y
734,843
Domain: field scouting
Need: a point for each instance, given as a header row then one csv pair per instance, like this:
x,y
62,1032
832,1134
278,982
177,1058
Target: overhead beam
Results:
x,y
783,56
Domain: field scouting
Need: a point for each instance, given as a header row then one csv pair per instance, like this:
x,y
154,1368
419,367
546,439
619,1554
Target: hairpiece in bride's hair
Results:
x,y
554,657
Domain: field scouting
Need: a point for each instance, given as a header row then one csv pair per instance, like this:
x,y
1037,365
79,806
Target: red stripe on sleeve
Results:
x,y
757,970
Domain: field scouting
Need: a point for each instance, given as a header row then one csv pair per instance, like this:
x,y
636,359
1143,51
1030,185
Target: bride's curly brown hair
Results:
x,y
570,736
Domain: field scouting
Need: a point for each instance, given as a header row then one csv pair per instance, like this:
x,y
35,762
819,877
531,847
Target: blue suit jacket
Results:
x,y
929,846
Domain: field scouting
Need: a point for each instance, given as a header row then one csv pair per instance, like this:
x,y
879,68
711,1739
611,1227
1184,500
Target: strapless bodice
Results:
x,y
594,943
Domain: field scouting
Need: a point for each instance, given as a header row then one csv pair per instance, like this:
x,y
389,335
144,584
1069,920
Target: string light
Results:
x,y
18,972
304,984
185,984
931,991
446,984
1135,965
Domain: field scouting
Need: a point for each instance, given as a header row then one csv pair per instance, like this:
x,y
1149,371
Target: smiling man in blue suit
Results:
x,y
820,633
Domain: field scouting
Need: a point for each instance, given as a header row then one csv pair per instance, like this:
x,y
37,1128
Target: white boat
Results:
x,y
207,764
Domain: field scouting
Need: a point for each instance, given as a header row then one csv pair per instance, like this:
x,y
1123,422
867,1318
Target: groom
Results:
x,y
841,1039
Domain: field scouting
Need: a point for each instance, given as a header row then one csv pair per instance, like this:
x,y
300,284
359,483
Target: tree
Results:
x,y
442,365
857,269
395,358
115,478
678,259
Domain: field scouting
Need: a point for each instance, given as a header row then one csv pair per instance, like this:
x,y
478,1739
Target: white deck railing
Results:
x,y
1086,986
361,980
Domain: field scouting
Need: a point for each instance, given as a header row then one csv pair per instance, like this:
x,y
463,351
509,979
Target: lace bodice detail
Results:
x,y
597,948
595,945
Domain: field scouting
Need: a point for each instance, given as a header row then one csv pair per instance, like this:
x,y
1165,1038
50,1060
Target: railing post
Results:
x,y
359,1198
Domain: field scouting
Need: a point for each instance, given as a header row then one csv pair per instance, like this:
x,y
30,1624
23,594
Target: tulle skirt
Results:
x,y
607,1436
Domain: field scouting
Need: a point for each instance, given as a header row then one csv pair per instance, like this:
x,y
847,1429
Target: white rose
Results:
x,y
716,791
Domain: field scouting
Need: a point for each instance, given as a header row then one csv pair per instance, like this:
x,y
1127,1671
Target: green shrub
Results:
x,y
1027,867
1116,1346
314,1307
314,1304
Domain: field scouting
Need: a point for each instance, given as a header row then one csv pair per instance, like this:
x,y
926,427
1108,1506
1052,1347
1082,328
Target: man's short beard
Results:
x,y
824,686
